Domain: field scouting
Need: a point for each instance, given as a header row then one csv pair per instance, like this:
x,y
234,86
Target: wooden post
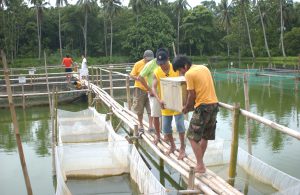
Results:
x,y
296,84
46,72
100,74
55,108
136,133
53,134
90,98
111,83
191,184
128,92
93,74
23,97
234,144
97,77
247,107
15,124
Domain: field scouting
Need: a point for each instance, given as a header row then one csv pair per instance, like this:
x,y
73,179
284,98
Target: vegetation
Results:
x,y
105,28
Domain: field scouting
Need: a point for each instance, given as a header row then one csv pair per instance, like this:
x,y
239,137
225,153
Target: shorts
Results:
x,y
203,122
68,69
167,124
155,107
140,101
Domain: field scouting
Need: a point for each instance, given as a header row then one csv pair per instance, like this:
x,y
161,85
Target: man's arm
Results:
x,y
144,83
189,104
154,89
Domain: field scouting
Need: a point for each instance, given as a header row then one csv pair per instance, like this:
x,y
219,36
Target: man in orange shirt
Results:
x,y
67,62
202,98
140,97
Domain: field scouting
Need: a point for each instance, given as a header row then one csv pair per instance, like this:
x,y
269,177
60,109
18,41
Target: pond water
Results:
x,y
276,102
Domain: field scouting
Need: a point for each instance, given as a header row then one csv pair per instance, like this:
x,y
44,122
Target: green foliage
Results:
x,y
292,40
153,30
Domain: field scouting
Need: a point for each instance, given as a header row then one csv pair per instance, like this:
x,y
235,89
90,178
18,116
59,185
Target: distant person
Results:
x,y
166,70
67,62
201,97
140,96
84,71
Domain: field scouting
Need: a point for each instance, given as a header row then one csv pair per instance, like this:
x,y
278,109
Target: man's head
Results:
x,y
82,56
162,56
181,63
67,55
148,55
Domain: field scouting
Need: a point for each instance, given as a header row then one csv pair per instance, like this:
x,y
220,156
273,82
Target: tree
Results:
x,y
39,5
180,6
86,6
224,17
60,3
292,40
111,8
198,27
244,4
281,28
153,23
263,28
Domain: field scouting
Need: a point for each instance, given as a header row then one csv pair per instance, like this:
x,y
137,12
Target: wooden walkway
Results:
x,y
208,183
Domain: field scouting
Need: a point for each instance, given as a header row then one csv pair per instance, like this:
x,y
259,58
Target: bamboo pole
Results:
x,y
247,107
49,98
93,75
234,144
53,134
100,73
56,121
23,97
97,76
191,184
16,126
111,84
128,92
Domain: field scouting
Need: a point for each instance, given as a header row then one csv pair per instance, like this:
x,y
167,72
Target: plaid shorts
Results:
x,y
203,122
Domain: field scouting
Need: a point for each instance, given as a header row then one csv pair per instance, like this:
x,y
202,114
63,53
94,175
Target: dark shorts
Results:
x,y
68,70
203,122
140,101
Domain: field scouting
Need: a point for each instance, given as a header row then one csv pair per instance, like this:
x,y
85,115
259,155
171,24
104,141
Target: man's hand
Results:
x,y
185,110
150,92
162,104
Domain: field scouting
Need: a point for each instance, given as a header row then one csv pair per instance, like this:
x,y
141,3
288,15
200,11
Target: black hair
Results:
x,y
67,56
74,82
180,61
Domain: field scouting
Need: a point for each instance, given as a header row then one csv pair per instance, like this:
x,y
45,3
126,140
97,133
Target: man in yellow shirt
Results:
x,y
202,98
140,97
164,70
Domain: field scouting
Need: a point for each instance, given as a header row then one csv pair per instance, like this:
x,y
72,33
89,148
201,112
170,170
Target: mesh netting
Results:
x,y
109,155
268,77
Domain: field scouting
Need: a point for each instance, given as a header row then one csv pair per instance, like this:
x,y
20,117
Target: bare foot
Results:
x,y
181,154
171,150
156,140
200,169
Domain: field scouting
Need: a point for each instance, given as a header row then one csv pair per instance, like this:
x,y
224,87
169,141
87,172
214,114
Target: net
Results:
x,y
90,148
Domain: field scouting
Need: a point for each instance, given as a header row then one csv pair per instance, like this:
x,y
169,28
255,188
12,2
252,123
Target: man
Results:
x,y
202,97
146,78
140,97
67,62
165,70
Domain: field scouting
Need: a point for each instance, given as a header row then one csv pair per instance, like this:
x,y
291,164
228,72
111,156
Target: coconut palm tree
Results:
x,y
86,6
60,3
39,5
225,19
244,4
111,8
281,28
263,28
137,6
180,6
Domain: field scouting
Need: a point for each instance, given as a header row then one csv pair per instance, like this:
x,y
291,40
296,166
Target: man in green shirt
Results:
x,y
146,78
